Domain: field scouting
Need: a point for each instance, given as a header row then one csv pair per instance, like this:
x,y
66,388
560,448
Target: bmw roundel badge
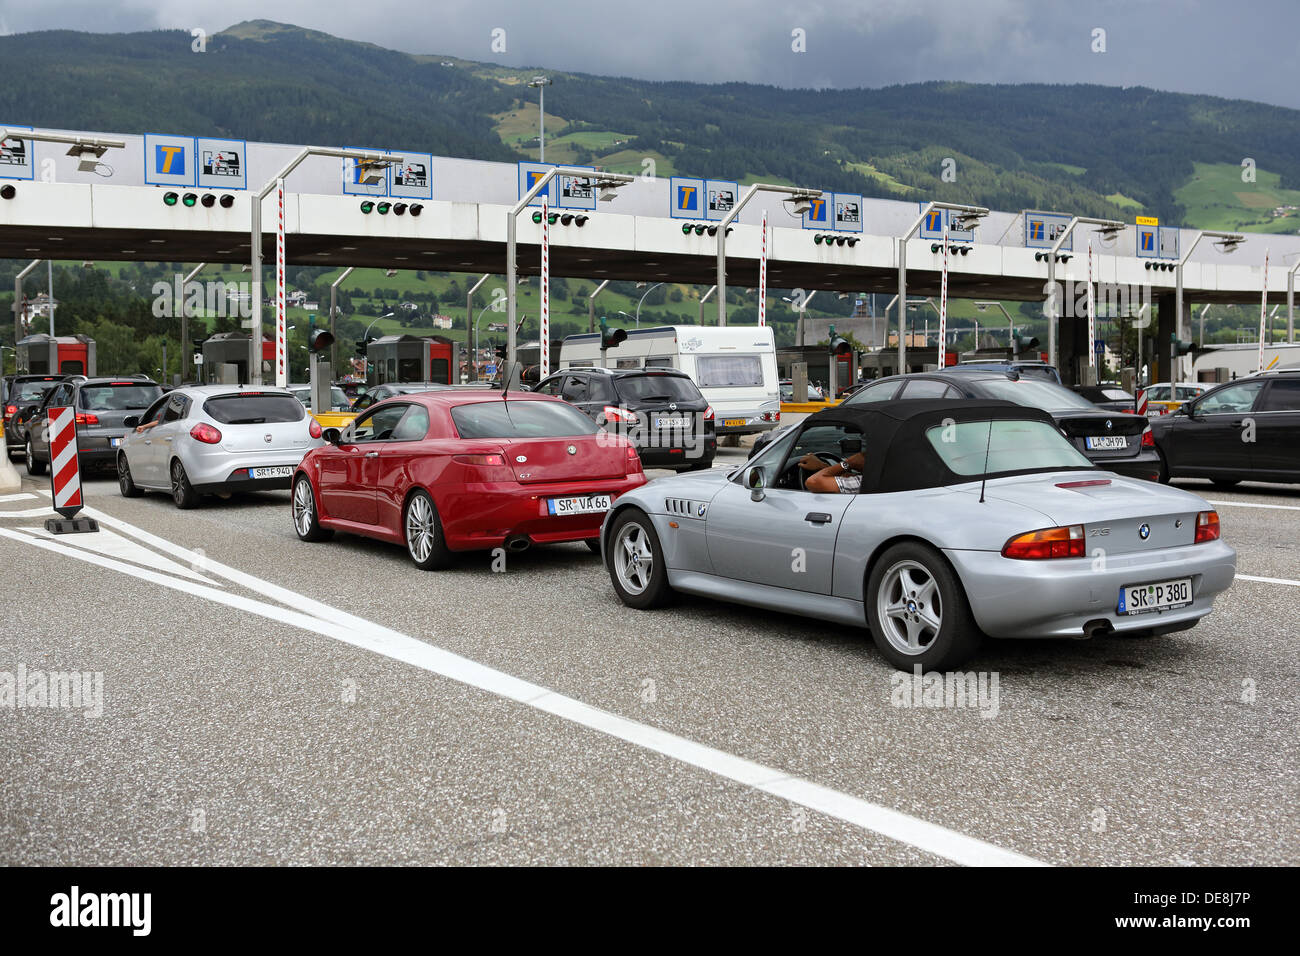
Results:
x,y
1144,531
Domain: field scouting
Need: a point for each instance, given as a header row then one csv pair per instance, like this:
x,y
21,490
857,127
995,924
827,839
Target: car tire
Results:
x,y
125,483
593,545
183,493
34,466
1163,473
422,532
906,626
306,518
636,562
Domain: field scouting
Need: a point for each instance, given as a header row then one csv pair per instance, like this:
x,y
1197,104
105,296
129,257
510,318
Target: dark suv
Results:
x,y
661,411
101,405
22,395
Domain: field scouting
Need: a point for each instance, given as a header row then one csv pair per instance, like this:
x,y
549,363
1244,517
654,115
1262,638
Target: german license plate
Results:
x,y
734,422
1108,443
671,423
1144,598
588,504
276,471
114,442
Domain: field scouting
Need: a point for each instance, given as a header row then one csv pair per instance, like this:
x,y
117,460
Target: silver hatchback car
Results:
x,y
215,439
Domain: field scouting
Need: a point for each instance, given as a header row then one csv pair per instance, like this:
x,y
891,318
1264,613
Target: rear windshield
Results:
x,y
723,371
1035,393
117,398
521,419
31,391
1012,446
254,409
648,388
1117,395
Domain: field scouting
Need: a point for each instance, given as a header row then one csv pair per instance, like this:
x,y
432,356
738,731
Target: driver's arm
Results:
x,y
823,482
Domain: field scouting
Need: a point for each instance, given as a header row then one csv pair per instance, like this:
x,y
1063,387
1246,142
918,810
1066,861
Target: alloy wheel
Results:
x,y
909,607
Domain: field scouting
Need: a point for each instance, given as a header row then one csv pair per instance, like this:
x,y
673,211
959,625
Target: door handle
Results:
x,y
817,517
372,454
148,441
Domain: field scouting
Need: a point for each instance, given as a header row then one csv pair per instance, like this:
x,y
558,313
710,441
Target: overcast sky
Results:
x,y
1234,48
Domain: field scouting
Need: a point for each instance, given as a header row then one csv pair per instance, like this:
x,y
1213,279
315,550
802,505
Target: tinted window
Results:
x,y
116,398
414,426
649,388
1283,395
1116,395
520,419
551,386
254,409
31,392
1035,393
929,388
1233,399
1012,446
880,392
175,409
721,371
1186,392
377,426
575,388
1158,393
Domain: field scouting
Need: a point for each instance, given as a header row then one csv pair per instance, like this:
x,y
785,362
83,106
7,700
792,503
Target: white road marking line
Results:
x,y
929,837
21,496
44,510
1252,577
1251,504
112,545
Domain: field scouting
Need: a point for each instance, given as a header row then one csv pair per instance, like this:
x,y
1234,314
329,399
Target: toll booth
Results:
x,y
231,348
411,358
42,354
883,362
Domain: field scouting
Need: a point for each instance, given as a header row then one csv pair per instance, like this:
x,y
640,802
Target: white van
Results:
x,y
734,366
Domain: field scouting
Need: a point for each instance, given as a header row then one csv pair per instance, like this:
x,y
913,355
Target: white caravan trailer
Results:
x,y
1243,359
734,366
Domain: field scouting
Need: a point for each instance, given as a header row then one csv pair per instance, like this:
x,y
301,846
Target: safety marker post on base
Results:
x,y
65,475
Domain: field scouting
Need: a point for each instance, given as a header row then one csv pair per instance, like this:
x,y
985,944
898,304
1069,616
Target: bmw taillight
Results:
x,y
708,414
1207,526
1064,542
1148,438
11,409
87,419
205,433
615,414
314,429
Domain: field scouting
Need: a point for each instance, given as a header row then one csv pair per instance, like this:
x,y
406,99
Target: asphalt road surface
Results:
x,y
269,701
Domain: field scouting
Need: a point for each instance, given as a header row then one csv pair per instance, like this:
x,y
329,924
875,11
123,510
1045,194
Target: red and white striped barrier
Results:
x,y
544,336
65,472
762,276
943,302
1141,408
281,370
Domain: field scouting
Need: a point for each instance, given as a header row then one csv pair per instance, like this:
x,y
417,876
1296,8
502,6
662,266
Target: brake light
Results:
x,y
633,465
479,459
87,419
1090,483
1207,526
205,433
314,429
1148,438
11,409
708,414
615,414
1064,542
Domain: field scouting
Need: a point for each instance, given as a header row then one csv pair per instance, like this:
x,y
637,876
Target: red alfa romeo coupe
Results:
x,y
452,471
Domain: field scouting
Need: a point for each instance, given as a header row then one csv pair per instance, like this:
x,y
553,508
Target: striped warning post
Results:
x,y
762,276
65,476
544,338
281,371
943,302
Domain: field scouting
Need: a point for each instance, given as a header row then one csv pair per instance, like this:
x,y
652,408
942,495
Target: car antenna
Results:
x,y
984,479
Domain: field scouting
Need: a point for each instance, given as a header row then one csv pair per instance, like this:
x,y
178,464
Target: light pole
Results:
x,y
642,299
334,312
983,305
966,213
469,312
255,239
606,183
540,83
800,196
18,303
1200,339
1109,228
1228,241
591,305
474,363
704,298
365,339
801,308
184,309
1290,301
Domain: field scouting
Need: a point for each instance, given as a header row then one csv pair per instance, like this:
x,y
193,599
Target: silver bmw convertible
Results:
x,y
970,519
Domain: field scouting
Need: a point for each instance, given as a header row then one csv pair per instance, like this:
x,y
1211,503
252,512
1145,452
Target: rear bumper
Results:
x,y
1145,466
477,517
1057,598
245,484
213,471
658,456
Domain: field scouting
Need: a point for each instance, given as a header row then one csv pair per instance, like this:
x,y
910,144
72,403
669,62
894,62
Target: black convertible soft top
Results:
x,y
898,455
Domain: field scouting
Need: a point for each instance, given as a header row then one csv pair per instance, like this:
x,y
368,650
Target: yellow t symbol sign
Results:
x,y
686,201
817,206
169,152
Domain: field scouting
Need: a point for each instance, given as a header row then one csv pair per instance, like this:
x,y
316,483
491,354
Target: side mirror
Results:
x,y
754,482
332,435
131,421
1189,410
850,446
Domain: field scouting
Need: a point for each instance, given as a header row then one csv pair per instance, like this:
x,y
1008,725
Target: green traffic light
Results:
x,y
189,199
367,207
537,217
169,199
686,229
384,207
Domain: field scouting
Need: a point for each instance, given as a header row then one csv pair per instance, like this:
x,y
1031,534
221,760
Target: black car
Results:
x,y
1247,430
22,395
660,410
1117,441
101,406
388,390
1107,396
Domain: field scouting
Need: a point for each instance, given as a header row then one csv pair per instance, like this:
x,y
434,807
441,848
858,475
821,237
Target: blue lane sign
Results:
x,y
848,212
1147,243
818,215
16,156
169,160
490,369
1042,229
357,176
687,200
932,226
719,199
529,173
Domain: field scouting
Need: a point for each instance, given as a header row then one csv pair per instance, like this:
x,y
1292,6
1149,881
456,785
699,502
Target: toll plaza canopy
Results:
x,y
178,198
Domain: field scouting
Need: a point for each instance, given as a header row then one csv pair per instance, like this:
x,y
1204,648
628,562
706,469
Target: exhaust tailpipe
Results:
x,y
518,543
1093,629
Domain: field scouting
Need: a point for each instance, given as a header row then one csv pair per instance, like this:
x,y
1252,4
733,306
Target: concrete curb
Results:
x,y
10,482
